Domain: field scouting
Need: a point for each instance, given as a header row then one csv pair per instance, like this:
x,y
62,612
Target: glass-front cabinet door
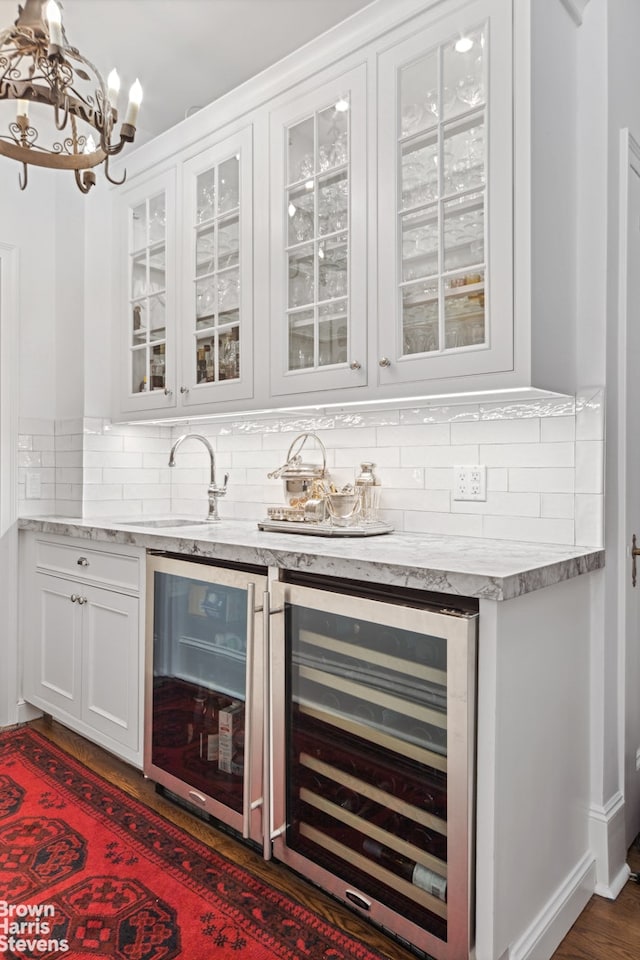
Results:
x,y
217,310
147,225
318,209
373,758
445,259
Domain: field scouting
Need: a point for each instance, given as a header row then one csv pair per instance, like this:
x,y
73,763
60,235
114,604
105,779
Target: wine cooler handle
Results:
x,y
248,723
266,729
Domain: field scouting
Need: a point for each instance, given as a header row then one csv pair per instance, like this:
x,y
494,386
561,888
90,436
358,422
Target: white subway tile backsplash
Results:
x,y
537,530
589,466
589,519
453,524
542,480
416,435
527,454
501,504
560,505
443,456
538,453
496,431
429,500
557,429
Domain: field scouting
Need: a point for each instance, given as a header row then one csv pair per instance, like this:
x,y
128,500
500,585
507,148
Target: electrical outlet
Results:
x,y
470,482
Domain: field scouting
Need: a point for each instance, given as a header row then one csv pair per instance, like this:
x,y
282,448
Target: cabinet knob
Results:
x,y
384,362
82,562
82,600
167,392
184,389
355,365
74,598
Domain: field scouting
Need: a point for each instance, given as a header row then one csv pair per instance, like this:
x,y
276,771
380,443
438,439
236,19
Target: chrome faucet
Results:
x,y
213,491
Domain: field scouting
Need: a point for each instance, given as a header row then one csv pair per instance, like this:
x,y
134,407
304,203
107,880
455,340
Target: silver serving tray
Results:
x,y
324,529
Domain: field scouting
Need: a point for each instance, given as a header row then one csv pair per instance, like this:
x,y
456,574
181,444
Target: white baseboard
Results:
x,y
25,712
558,915
607,840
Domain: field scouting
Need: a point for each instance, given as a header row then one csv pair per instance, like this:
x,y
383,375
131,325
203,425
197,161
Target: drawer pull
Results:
x,y
74,598
82,562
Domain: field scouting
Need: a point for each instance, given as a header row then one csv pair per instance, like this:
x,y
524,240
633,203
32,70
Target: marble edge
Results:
x,y
303,554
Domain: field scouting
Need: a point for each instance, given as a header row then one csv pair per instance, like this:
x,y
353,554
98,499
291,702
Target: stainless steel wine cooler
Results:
x,y
206,690
373,768
330,724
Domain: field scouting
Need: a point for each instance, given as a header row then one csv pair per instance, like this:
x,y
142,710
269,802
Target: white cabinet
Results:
x,y
81,636
187,289
318,247
145,239
444,179
375,236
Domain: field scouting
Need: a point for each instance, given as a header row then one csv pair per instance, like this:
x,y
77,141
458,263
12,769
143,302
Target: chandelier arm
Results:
x,y
116,183
56,113
83,185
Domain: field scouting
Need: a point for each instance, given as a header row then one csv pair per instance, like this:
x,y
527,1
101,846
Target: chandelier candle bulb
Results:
x,y
113,85
135,99
22,108
54,19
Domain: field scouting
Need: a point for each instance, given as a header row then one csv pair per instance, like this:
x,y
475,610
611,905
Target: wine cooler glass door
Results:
x,y
202,716
372,799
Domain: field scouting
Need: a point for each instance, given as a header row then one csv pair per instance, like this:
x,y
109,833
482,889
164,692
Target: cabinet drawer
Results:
x,y
73,559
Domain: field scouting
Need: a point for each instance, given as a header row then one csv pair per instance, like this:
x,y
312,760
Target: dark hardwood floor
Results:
x,y
606,930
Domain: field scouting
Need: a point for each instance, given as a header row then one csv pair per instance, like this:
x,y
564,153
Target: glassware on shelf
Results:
x,y
463,67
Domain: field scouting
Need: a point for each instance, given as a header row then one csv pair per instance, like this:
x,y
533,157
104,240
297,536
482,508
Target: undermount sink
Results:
x,y
167,522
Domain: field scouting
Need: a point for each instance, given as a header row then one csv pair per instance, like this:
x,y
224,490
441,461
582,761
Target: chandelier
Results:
x,y
58,89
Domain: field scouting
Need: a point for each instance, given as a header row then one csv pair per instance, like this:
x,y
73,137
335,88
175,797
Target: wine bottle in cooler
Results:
x,y
415,873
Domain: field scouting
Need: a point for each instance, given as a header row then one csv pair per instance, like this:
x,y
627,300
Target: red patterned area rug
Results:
x,y
88,872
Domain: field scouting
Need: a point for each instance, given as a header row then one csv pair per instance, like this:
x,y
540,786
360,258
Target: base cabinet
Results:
x,y
81,653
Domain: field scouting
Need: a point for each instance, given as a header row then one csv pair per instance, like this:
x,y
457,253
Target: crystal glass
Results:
x,y
419,95
229,354
205,291
228,243
300,211
205,251
139,274
464,157
463,232
301,343
139,227
158,318
333,203
333,134
300,155
332,268
464,85
420,244
157,218
229,185
420,318
419,172
206,196
301,276
157,269
332,333
464,310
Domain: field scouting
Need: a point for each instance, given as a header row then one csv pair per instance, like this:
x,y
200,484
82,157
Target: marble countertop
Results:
x,y
463,566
